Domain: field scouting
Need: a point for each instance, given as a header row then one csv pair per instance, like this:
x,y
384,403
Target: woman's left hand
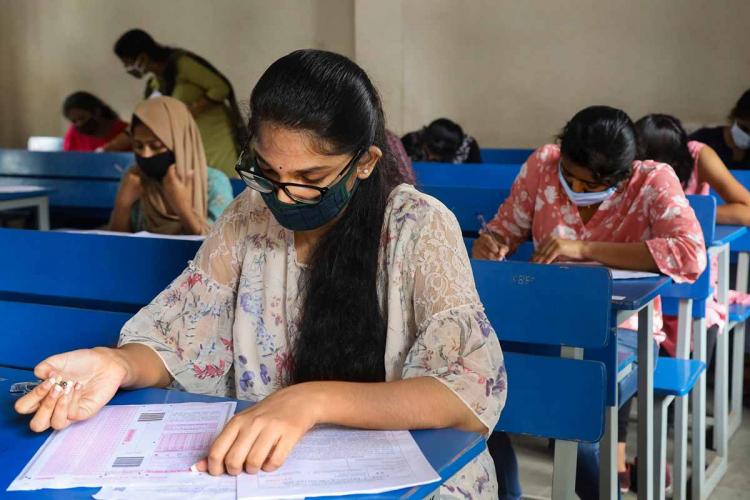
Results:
x,y
553,248
262,436
178,192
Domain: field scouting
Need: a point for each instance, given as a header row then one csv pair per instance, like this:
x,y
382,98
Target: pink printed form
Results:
x,y
85,448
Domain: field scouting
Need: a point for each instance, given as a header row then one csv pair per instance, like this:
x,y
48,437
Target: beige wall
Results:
x,y
512,72
49,48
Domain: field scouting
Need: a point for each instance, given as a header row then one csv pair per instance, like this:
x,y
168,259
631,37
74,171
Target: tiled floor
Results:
x,y
535,462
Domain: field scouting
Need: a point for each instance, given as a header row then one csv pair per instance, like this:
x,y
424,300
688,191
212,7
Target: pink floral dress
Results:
x,y
225,325
650,207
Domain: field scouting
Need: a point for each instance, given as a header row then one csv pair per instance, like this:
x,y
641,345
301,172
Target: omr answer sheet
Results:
x,y
128,445
336,461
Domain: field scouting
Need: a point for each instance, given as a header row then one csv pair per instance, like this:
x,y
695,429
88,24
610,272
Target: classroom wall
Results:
x,y
511,72
50,48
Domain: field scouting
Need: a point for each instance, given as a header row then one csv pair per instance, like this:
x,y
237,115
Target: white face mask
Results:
x,y
584,199
740,137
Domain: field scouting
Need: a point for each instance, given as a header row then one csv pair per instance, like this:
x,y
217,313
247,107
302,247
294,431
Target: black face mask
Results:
x,y
89,127
156,166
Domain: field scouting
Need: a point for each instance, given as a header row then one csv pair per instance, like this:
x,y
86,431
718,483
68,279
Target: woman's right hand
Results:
x,y
130,188
96,374
488,248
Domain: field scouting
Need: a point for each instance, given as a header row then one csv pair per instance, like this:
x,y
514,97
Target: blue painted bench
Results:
x,y
62,291
467,175
85,184
554,392
505,155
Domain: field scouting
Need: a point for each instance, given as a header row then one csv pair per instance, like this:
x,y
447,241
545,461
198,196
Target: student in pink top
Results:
x,y
661,138
589,199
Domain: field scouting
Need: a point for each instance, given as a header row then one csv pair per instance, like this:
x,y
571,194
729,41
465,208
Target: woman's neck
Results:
x,y
305,242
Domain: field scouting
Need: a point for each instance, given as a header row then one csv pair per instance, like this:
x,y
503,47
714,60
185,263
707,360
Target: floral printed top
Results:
x,y
650,207
225,325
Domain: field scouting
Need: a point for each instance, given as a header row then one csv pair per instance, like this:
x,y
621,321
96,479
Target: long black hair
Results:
x,y
87,102
602,140
661,138
741,109
135,42
442,138
341,331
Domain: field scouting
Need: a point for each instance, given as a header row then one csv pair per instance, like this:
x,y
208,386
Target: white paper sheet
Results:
x,y
334,461
19,189
126,445
224,488
139,234
617,274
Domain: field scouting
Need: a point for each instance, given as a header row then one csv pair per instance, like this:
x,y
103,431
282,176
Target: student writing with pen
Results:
x,y
589,199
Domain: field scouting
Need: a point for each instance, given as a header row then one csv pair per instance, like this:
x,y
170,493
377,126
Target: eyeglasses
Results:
x,y
248,170
590,186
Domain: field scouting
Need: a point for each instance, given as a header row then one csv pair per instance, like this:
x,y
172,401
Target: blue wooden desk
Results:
x,y
632,297
448,450
726,234
12,197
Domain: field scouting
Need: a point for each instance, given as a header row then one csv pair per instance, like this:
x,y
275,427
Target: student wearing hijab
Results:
x,y
171,189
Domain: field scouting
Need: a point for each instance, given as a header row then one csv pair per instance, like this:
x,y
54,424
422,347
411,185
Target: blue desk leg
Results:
x,y
42,213
738,350
566,452
679,468
646,402
608,484
718,466
698,399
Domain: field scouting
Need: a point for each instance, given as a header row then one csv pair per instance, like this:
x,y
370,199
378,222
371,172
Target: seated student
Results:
x,y
730,142
661,138
442,141
94,125
589,199
323,294
400,158
170,190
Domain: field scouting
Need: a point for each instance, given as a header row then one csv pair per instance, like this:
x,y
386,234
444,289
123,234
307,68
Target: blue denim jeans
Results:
x,y
506,466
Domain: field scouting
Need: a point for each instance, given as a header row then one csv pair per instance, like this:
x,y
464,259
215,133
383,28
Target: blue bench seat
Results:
x,y
676,377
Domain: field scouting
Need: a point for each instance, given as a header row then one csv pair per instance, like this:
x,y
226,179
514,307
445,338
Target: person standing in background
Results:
x,y
194,81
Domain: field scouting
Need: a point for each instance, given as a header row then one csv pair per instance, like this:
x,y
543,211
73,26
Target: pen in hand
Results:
x,y
486,230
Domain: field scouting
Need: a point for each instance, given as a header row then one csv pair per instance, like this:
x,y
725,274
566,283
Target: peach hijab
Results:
x,y
171,121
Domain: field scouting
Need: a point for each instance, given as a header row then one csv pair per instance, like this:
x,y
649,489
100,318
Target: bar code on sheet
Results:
x,y
128,462
151,417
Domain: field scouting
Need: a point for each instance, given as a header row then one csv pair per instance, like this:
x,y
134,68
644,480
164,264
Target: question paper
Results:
x,y
337,461
127,445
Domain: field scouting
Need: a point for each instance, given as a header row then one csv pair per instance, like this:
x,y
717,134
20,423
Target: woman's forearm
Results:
x,y
634,256
733,213
143,367
121,218
417,403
